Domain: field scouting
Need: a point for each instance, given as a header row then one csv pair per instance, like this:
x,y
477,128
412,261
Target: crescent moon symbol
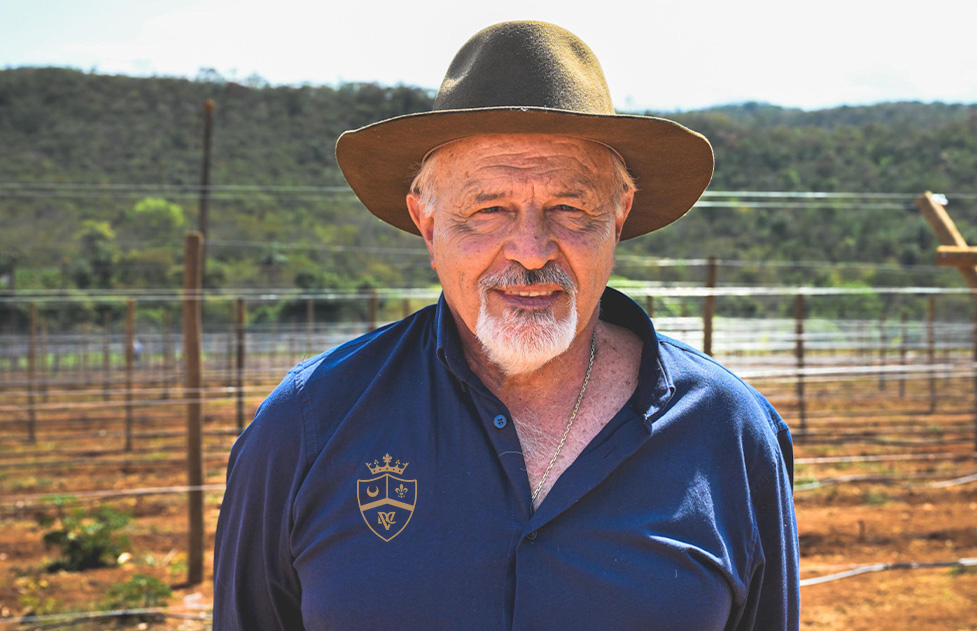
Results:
x,y
372,493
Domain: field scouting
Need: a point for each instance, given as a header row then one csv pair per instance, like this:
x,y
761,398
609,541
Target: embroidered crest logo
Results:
x,y
386,501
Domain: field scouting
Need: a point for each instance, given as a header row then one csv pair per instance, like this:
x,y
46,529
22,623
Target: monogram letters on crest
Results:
x,y
386,501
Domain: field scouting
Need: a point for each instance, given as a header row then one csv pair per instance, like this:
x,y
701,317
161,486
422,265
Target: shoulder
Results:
x,y
335,374
301,412
732,412
698,375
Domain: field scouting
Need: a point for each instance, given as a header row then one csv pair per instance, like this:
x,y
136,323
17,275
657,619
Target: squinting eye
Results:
x,y
490,210
566,208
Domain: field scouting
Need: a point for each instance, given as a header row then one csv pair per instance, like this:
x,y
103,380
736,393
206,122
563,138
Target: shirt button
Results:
x,y
500,421
531,536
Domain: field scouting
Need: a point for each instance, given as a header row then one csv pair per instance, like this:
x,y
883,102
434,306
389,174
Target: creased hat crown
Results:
x,y
525,64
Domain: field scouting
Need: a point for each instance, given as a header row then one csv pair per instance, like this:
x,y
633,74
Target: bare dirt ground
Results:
x,y
886,525
878,508
870,489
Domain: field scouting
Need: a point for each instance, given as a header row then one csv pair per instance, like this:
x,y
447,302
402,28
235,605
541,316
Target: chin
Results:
x,y
522,341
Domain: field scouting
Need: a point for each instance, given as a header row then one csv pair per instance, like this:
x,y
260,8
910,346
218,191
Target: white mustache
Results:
x,y
519,276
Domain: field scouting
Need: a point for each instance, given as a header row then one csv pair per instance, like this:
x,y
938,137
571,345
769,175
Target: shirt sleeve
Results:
x,y
255,585
773,599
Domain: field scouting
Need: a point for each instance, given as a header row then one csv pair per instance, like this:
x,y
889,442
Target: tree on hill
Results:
x,y
95,156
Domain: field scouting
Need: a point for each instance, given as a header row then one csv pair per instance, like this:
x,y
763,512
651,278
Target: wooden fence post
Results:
x,y
310,325
31,366
799,358
13,328
239,382
60,321
130,366
374,308
84,360
192,281
42,363
273,353
882,358
903,350
931,349
106,353
167,355
203,204
292,328
709,306
231,351
974,368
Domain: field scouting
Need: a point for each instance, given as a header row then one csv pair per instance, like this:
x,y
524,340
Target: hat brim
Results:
x,y
671,164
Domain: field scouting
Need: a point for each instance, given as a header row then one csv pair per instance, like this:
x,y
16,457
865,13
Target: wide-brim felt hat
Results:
x,y
528,78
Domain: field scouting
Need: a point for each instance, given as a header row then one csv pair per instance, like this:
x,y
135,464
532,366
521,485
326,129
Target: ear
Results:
x,y
627,200
424,222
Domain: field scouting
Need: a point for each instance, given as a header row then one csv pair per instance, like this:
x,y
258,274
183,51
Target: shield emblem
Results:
x,y
386,503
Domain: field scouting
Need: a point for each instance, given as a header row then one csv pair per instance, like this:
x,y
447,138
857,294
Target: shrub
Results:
x,y
140,592
88,539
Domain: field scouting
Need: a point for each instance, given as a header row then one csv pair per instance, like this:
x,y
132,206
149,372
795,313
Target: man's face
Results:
x,y
522,234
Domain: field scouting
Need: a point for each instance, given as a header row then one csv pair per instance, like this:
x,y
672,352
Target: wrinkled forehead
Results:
x,y
563,159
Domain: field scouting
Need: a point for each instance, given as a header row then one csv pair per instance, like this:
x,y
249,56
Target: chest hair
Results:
x,y
540,427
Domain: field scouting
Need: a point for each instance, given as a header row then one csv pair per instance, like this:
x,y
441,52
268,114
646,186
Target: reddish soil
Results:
x,y
897,516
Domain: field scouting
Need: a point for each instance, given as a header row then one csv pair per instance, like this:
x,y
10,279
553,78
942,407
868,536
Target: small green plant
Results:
x,y
178,566
33,596
141,592
962,570
88,539
876,498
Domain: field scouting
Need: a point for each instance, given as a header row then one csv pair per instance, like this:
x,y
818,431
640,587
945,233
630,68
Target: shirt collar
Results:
x,y
655,386
449,348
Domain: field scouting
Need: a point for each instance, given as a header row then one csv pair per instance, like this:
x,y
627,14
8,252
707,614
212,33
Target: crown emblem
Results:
x,y
386,467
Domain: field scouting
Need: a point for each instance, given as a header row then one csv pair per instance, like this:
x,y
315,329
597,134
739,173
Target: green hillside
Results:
x,y
97,177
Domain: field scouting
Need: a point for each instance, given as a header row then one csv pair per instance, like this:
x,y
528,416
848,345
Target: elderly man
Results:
x,y
528,453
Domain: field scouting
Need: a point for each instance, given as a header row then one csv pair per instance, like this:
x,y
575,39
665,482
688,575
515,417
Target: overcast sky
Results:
x,y
681,54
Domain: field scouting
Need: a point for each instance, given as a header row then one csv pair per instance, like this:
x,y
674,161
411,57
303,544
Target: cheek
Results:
x,y
459,246
458,265
591,250
592,261
585,230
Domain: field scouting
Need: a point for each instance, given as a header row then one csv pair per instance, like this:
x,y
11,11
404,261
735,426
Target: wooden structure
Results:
x,y
953,252
192,329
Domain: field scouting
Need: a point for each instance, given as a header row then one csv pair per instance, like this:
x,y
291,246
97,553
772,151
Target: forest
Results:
x,y
100,175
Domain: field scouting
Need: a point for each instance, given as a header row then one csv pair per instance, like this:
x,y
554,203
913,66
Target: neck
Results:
x,y
543,401
563,372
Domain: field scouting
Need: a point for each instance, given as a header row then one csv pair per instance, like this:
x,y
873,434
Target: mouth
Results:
x,y
535,297
528,294
515,287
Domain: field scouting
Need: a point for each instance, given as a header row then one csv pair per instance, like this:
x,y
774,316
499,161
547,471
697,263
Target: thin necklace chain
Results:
x,y
573,416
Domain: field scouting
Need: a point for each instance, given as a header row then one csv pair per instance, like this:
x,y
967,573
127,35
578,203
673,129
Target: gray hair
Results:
x,y
424,184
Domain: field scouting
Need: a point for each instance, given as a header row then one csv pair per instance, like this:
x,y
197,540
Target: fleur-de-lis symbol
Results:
x,y
401,490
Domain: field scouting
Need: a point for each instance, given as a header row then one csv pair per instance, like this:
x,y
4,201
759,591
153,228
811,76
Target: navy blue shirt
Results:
x,y
382,486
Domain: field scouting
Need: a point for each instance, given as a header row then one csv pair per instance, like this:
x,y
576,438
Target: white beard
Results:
x,y
522,340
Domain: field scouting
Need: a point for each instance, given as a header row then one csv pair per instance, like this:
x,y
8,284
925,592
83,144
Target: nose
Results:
x,y
530,241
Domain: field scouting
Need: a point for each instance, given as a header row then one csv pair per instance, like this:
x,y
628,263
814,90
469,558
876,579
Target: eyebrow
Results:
x,y
572,193
481,198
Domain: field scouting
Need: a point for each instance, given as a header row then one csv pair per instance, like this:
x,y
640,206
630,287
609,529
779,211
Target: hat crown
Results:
x,y
525,64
